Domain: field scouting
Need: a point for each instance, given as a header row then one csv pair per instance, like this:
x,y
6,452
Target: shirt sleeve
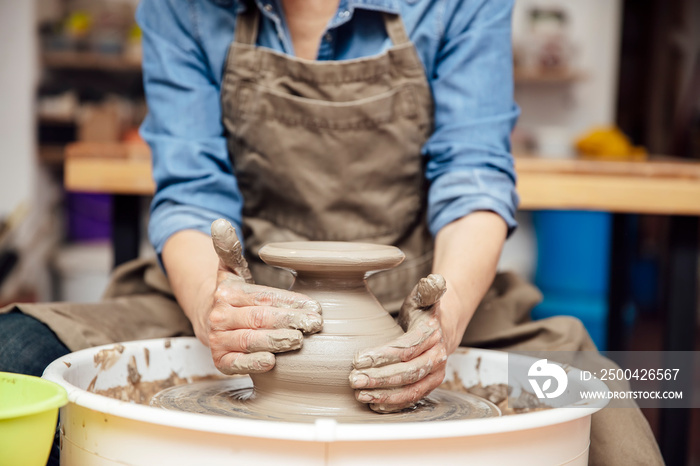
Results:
x,y
195,184
469,164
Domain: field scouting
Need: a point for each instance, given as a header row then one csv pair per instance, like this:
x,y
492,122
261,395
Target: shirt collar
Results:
x,y
388,6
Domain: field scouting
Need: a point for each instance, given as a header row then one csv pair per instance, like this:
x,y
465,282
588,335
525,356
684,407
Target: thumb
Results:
x,y
423,297
229,249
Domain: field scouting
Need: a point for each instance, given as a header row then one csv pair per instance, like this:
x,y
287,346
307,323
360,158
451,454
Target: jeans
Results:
x,y
27,346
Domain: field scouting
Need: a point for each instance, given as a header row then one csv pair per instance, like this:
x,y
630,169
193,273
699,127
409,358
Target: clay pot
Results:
x,y
314,379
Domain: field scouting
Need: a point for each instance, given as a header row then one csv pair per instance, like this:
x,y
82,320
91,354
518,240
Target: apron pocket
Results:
x,y
256,103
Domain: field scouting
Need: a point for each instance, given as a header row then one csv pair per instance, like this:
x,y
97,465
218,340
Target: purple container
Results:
x,y
89,216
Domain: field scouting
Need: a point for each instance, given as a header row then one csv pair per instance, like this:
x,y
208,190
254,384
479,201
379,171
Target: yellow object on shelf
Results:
x,y
608,142
78,24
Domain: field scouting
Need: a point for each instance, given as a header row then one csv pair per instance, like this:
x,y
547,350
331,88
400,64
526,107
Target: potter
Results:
x,y
311,377
375,121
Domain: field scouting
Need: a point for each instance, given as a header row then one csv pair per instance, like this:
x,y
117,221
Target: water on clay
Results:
x,y
236,398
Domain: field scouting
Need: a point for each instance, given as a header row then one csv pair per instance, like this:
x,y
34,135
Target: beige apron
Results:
x,y
331,151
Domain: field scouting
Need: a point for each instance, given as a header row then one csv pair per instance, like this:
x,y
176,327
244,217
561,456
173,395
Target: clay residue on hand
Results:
x,y
106,358
500,395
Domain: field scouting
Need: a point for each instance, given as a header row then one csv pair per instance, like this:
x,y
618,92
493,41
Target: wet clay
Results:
x,y
106,358
499,394
313,381
136,390
235,398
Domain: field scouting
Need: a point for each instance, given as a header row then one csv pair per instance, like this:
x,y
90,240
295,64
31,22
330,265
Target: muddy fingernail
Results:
x,y
260,363
431,289
363,362
312,306
359,380
286,341
383,408
365,397
311,323
223,231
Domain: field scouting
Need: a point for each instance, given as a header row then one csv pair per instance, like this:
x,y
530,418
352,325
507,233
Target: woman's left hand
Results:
x,y
399,374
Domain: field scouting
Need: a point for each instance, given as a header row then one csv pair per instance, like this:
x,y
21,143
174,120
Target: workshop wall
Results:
x,y
17,86
594,30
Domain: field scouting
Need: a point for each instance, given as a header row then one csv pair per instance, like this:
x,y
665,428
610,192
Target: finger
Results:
x,y
229,249
423,297
383,408
423,335
264,317
241,363
403,373
252,341
395,399
248,294
430,289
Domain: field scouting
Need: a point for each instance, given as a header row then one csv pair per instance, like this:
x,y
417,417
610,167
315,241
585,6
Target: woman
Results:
x,y
329,124
359,120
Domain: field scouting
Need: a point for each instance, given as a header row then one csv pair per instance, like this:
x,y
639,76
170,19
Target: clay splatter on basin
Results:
x,y
499,394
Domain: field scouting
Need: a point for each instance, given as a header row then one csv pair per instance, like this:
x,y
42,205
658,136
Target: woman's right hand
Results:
x,y
248,323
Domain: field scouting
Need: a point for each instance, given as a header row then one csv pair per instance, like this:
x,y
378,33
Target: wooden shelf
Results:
x,y
51,154
90,61
522,76
113,168
56,121
660,186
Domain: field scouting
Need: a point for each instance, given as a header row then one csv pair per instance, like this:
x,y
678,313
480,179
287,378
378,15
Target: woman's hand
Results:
x,y
248,323
397,375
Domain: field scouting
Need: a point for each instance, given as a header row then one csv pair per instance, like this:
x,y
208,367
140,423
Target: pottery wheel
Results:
x,y
236,398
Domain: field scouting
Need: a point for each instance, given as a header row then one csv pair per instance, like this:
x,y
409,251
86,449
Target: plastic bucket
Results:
x,y
28,412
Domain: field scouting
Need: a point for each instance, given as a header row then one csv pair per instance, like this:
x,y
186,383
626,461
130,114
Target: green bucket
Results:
x,y
28,413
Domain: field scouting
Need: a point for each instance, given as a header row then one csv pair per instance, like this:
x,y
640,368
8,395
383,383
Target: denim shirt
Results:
x,y
465,47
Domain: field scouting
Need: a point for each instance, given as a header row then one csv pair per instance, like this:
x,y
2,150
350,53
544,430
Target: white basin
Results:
x,y
97,430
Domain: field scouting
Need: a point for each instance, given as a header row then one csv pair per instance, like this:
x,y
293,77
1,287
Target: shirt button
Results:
x,y
344,14
328,37
268,7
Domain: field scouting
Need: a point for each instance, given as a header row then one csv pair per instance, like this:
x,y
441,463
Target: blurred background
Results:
x,y
597,80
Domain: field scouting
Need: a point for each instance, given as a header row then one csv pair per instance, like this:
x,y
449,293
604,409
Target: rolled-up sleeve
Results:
x,y
469,164
195,184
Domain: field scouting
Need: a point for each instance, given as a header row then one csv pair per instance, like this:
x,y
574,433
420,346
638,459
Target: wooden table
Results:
x,y
661,186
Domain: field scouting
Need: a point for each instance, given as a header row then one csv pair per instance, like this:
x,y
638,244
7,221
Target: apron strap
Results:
x,y
247,25
395,29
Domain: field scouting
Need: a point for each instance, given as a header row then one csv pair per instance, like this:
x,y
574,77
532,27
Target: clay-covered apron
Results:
x,y
330,151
